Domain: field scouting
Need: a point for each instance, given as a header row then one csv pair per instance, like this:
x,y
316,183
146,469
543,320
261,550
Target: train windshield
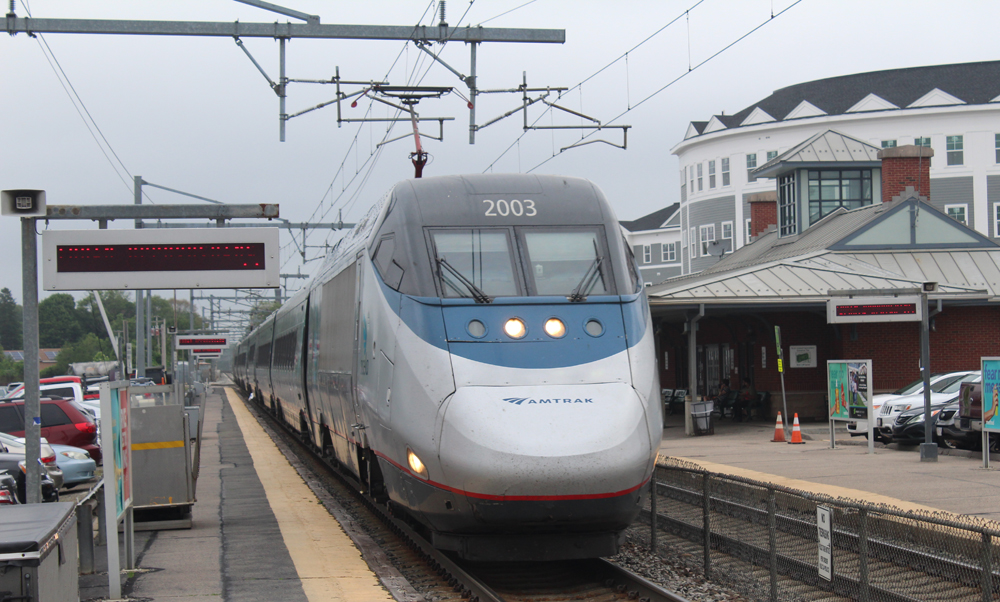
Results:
x,y
475,263
566,262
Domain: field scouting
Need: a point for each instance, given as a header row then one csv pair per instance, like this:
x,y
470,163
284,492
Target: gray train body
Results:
x,y
538,447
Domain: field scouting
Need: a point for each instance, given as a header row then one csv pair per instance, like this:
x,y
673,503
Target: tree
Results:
x,y
260,312
10,321
10,371
58,322
87,349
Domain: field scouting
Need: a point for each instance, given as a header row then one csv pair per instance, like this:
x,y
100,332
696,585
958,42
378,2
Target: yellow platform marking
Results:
x,y
830,490
329,565
157,445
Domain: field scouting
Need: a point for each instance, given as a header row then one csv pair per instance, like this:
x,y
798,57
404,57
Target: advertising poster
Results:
x,y
847,389
991,394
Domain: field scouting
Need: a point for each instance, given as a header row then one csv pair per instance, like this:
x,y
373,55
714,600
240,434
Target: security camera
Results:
x,y
22,203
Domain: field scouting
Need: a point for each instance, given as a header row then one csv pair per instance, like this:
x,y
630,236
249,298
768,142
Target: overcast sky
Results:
x,y
194,113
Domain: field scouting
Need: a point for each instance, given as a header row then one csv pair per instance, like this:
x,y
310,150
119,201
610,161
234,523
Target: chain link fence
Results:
x,y
763,540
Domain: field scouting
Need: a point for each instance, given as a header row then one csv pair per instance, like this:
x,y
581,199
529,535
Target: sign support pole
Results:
x,y
781,371
928,449
32,405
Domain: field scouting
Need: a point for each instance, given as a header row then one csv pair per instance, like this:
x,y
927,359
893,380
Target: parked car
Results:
x,y
939,381
908,428
8,489
47,454
76,464
966,432
63,422
13,464
890,411
69,387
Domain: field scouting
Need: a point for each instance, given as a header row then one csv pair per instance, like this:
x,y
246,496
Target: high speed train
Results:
x,y
478,352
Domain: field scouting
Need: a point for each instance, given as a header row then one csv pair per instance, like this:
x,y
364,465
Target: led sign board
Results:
x,y
207,344
160,258
874,309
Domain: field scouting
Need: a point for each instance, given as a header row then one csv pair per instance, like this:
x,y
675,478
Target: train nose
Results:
x,y
548,442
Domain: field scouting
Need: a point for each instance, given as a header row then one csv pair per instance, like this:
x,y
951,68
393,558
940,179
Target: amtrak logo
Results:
x,y
528,401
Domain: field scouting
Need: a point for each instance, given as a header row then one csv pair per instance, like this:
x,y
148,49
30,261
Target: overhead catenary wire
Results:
x,y
678,78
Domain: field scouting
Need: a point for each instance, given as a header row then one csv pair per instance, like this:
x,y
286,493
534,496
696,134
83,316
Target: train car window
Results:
x,y
568,262
633,273
478,257
391,272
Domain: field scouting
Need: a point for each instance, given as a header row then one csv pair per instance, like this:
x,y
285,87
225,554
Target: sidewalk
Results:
x,y
893,474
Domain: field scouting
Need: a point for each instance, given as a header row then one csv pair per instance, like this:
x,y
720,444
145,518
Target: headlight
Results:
x,y
415,464
76,455
555,328
515,328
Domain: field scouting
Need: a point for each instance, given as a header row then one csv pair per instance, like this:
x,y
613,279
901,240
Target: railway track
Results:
x,y
413,570
744,542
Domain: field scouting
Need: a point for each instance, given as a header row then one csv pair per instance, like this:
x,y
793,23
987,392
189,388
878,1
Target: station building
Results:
x,y
953,109
814,241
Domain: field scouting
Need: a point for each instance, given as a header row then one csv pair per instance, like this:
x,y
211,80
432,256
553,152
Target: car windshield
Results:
x,y
944,383
481,258
566,262
957,383
914,387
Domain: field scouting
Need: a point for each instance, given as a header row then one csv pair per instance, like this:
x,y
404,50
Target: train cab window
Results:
x,y
567,262
473,263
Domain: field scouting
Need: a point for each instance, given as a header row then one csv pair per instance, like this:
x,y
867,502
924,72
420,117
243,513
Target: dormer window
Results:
x,y
830,189
788,223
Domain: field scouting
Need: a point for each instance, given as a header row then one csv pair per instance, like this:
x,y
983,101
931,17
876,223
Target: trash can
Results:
x,y
701,418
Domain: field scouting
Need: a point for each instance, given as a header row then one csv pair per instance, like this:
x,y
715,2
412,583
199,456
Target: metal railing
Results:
x,y
762,540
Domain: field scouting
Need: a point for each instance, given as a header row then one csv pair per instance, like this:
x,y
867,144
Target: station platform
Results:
x,y
894,475
258,534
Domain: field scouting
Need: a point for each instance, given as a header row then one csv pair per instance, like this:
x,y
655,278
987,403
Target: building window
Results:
x,y
691,177
707,236
787,223
647,255
669,253
711,174
957,212
771,155
922,141
727,233
888,144
955,150
997,136
725,167
830,189
751,165
996,219
699,178
749,231
692,242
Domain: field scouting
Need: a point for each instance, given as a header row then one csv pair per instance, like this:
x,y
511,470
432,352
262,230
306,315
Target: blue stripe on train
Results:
x,y
444,325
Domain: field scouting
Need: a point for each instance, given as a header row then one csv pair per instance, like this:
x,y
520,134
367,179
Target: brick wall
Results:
x,y
763,212
905,167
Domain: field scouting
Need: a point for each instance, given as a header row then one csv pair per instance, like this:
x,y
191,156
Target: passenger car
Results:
x,y
886,417
63,422
8,489
13,464
908,428
938,380
47,455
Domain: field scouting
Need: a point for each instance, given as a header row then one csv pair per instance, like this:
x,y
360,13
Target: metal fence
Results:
x,y
763,540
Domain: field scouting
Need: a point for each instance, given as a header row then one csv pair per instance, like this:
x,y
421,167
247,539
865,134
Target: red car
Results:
x,y
63,422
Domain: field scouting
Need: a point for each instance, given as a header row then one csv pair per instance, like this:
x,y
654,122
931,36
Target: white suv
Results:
x,y
939,394
938,381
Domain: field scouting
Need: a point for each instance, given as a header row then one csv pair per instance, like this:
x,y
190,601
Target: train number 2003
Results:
x,y
502,208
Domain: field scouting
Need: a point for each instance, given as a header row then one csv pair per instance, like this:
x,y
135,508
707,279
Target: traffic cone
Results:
x,y
796,433
779,430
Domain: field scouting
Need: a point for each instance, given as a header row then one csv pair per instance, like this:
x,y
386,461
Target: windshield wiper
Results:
x,y
588,281
477,293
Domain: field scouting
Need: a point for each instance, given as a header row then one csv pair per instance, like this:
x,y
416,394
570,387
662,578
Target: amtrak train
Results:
x,y
478,352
